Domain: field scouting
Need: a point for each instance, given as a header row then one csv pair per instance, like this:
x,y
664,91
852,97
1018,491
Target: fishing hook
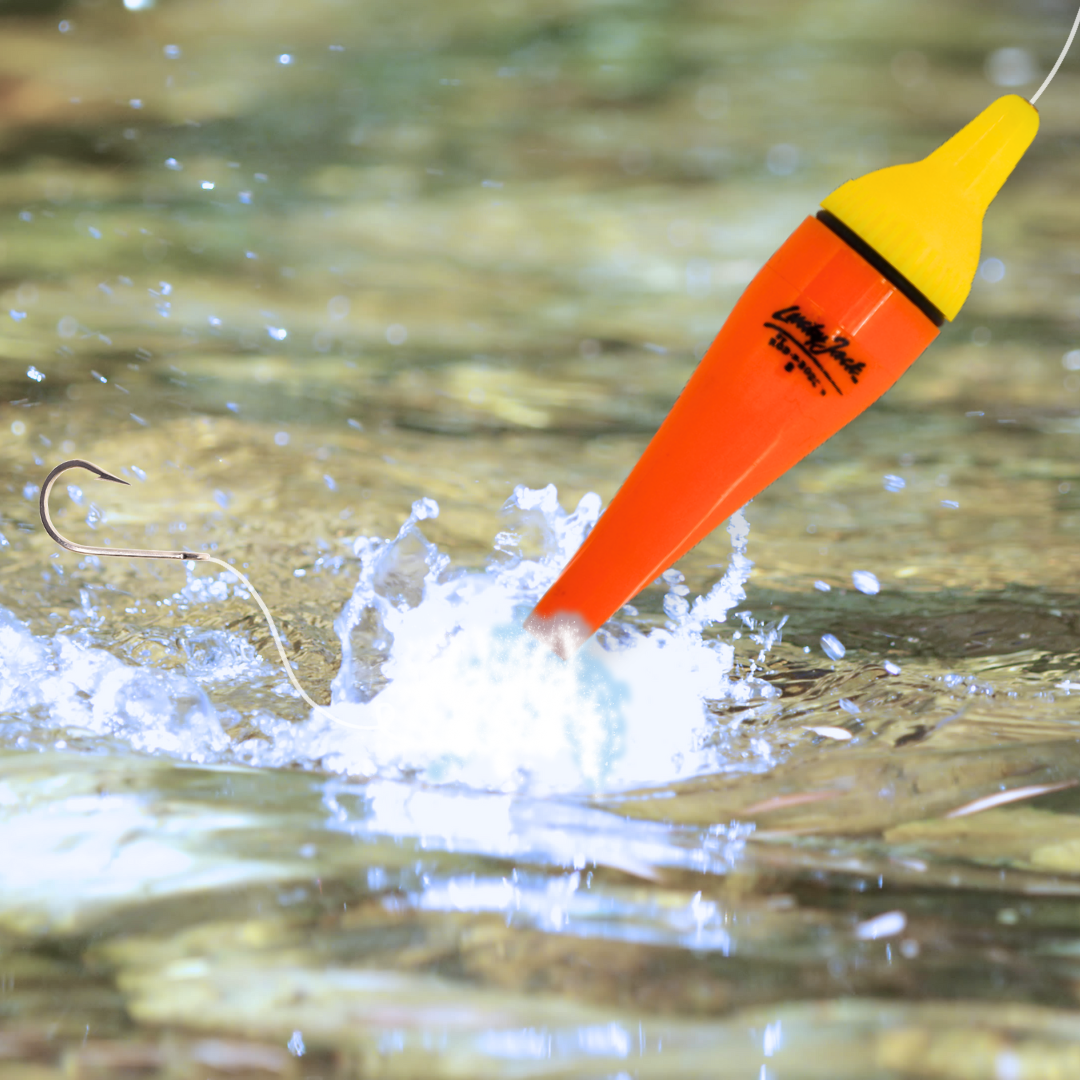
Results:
x,y
87,549
183,556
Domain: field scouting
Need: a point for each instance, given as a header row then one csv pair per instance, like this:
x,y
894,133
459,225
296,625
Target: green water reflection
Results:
x,y
303,264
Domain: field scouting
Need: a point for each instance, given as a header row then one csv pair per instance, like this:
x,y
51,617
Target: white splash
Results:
x,y
438,678
437,681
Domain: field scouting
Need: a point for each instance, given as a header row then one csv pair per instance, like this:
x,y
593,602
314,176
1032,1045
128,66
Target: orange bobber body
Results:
x,y
818,335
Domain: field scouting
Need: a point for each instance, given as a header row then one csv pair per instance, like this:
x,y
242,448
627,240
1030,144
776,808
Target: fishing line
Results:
x,y
1053,71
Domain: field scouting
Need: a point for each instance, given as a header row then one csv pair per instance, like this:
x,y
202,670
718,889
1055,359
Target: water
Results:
x,y
438,680
456,257
452,689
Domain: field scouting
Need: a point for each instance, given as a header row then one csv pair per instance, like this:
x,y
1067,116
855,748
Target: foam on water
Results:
x,y
54,690
438,679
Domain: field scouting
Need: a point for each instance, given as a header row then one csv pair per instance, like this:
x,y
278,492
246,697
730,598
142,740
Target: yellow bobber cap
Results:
x,y
926,218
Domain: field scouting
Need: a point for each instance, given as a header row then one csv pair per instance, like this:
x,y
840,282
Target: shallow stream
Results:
x,y
381,302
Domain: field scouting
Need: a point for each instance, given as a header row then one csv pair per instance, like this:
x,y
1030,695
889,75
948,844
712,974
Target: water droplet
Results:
x,y
866,582
675,607
881,926
832,647
425,508
1010,67
782,159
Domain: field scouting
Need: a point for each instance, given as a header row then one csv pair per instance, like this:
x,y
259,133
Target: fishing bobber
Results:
x,y
829,323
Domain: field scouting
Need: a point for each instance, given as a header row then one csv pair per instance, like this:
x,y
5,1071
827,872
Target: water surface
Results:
x,y
341,290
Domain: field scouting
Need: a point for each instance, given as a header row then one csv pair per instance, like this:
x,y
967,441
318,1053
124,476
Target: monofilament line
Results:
x,y
272,626
1053,71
